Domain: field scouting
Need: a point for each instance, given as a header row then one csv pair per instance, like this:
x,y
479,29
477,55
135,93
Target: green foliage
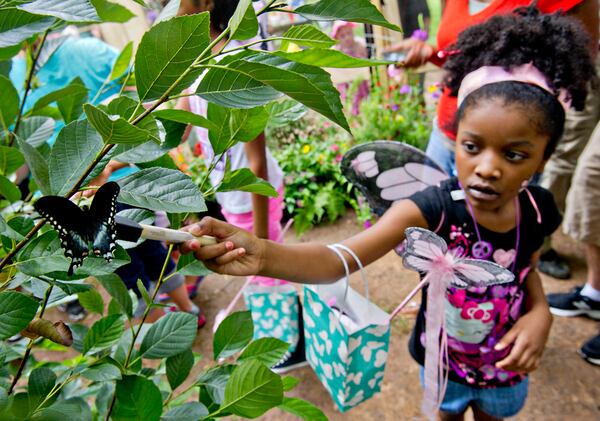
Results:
x,y
112,376
395,112
309,152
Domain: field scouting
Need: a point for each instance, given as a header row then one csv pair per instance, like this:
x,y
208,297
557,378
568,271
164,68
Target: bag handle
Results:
x,y
358,263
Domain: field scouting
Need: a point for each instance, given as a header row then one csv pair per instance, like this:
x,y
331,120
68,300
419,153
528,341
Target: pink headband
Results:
x,y
526,73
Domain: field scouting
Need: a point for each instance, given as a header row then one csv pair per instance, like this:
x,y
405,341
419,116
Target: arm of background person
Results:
x,y
256,151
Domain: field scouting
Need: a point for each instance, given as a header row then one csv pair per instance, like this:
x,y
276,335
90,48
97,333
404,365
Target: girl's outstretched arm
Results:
x,y
529,335
241,253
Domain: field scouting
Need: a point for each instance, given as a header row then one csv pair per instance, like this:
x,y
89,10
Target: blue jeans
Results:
x,y
499,402
440,148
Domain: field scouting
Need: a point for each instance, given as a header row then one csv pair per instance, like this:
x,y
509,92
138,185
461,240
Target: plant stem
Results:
x,y
143,319
36,55
30,344
213,164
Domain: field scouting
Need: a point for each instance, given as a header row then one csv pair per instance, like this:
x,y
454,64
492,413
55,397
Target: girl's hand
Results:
x,y
528,337
237,253
417,52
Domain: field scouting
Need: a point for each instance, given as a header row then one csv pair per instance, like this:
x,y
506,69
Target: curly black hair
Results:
x,y
555,44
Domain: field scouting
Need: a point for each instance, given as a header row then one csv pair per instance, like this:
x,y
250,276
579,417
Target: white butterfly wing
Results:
x,y
480,273
422,247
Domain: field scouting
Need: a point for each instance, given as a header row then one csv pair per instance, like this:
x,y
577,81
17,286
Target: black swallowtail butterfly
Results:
x,y
80,227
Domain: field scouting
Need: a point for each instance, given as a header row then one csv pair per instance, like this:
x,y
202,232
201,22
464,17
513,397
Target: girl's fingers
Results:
x,y
212,251
230,257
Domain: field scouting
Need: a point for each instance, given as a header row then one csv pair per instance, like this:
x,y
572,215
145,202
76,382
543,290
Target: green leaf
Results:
x,y
7,231
9,103
187,411
41,382
115,129
68,409
112,12
73,96
233,334
246,125
116,288
79,333
76,147
70,105
92,301
103,334
214,381
37,165
145,296
268,351
172,334
321,57
185,117
309,85
245,180
252,390
16,311
69,10
188,265
234,89
302,409
70,288
122,62
361,11
16,26
9,190
36,130
42,255
179,367
289,383
10,160
102,372
243,24
161,189
137,399
166,51
284,112
308,36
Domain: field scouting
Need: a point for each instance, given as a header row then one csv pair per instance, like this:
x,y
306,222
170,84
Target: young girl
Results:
x,y
509,120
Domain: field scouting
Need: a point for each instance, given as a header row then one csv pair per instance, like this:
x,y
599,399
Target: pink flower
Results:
x,y
405,89
338,157
335,147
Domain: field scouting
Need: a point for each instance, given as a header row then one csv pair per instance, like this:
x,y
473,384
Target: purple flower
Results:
x,y
420,34
368,224
395,107
405,89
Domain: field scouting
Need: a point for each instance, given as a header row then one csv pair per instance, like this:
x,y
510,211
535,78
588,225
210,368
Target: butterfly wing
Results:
x,y
422,248
480,273
102,220
387,171
69,220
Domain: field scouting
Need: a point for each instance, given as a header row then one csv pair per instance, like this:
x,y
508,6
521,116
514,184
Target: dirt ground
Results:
x,y
564,388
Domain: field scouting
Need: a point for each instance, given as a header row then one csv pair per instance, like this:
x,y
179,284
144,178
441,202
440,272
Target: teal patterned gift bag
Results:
x,y
274,312
348,349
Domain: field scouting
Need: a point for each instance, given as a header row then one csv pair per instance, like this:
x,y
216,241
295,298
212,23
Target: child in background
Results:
x,y
511,115
252,212
343,32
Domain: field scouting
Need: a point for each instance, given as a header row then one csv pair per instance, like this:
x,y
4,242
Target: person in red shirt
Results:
x,y
457,16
